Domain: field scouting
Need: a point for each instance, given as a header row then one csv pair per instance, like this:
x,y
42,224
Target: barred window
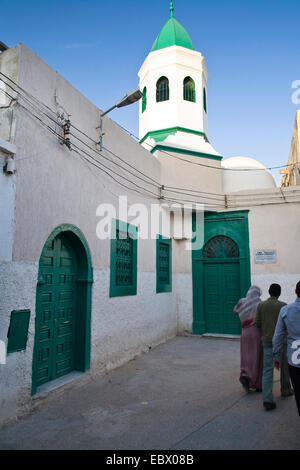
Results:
x,y
123,264
162,90
221,247
189,90
163,264
124,259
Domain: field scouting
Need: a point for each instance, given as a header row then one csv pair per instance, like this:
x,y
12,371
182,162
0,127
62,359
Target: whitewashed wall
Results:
x,y
53,186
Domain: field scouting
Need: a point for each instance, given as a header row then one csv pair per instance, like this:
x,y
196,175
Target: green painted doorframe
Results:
x,y
234,225
84,299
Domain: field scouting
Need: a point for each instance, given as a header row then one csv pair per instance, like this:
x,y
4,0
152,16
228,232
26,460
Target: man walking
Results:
x,y
266,320
289,320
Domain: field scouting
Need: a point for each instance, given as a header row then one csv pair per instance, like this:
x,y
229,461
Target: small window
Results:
x,y
162,90
221,247
123,264
189,91
204,100
144,100
163,264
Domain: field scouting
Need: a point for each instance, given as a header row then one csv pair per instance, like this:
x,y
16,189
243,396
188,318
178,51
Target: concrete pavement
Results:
x,y
182,395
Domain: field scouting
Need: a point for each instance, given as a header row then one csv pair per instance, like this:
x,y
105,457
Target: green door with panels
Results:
x,y
221,271
56,311
221,293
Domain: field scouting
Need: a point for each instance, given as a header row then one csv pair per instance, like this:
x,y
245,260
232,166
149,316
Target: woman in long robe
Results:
x,y
250,343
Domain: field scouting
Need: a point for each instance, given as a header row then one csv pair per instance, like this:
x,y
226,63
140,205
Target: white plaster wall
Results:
x,y
276,227
286,281
7,211
17,292
55,186
9,66
183,290
180,174
123,327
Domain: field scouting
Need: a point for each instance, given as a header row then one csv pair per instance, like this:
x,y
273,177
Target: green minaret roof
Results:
x,y
172,34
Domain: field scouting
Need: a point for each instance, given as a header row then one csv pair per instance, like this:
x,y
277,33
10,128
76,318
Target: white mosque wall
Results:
x,y
56,186
286,281
199,174
274,225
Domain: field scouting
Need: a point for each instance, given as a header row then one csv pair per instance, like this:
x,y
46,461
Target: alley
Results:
x,y
182,395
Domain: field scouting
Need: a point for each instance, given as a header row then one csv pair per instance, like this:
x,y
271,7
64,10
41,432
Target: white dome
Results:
x,y
244,173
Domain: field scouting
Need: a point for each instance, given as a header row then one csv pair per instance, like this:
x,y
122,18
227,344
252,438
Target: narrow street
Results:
x,y
182,395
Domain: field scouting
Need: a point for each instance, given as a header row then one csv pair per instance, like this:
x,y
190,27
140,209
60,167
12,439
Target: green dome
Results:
x,y
172,34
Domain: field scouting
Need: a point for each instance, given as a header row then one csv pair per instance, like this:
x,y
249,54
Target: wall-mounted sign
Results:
x,y
265,257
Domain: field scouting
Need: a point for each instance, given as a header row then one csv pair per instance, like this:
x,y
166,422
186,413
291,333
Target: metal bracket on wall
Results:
x,y
66,130
101,134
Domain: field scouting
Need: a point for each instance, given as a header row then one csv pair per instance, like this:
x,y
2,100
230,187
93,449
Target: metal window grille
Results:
x,y
164,263
221,247
124,259
162,90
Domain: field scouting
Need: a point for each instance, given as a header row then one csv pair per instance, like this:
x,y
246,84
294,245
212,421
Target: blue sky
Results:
x,y
251,48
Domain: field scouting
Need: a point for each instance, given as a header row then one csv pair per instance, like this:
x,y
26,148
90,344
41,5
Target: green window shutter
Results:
x,y
144,100
162,90
204,100
163,264
123,259
189,90
18,331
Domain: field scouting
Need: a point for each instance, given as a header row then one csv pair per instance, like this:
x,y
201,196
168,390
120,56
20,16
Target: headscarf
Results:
x,y
246,307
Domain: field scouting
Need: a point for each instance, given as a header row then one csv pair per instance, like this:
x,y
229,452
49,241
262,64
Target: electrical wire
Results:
x,y
171,199
101,154
94,150
185,191
149,145
94,162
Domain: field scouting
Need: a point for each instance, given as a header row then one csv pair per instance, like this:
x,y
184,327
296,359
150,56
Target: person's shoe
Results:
x,y
245,381
288,394
269,405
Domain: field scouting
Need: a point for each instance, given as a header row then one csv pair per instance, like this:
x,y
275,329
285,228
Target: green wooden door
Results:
x,y
221,293
221,270
56,311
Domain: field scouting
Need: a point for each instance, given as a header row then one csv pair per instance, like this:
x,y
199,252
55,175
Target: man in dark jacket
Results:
x,y
266,320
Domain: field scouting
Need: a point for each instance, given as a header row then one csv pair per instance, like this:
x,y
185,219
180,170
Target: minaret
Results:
x,y
173,79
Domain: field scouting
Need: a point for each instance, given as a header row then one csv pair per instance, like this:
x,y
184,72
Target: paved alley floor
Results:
x,y
182,395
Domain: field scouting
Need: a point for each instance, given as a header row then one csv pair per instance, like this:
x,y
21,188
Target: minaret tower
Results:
x,y
173,79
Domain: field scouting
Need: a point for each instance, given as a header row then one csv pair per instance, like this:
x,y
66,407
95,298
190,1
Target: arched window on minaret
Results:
x,y
144,99
204,100
162,89
189,90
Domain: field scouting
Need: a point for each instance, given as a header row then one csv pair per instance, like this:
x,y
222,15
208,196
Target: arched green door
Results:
x,y
221,285
56,310
63,305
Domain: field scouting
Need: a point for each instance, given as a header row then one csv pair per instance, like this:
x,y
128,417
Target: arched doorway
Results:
x,y
63,307
221,285
221,270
